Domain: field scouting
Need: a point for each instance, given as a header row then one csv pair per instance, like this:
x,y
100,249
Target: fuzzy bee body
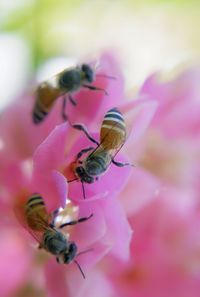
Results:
x,y
46,94
39,224
65,82
113,130
35,213
112,138
35,218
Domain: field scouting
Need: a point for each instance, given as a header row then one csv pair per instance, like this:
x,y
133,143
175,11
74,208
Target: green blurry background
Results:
x,y
148,35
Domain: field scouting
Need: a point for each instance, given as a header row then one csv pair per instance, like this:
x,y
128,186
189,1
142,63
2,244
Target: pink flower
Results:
x,y
165,248
52,167
108,231
173,139
165,253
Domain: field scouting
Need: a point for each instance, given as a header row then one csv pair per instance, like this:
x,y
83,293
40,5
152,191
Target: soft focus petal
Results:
x,y
15,262
11,167
178,113
92,230
95,284
49,157
24,136
51,153
119,232
165,253
56,283
139,191
138,115
53,187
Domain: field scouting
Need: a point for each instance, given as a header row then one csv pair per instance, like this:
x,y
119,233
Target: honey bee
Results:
x,y
65,82
112,137
40,224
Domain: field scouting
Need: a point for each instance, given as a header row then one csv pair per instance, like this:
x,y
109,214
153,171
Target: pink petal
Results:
x,y
90,259
24,136
56,281
50,154
178,114
119,232
48,159
11,167
15,262
139,191
91,231
96,284
52,187
138,116
102,285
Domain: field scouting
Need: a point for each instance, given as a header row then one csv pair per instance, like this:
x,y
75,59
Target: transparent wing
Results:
x,y
109,141
42,225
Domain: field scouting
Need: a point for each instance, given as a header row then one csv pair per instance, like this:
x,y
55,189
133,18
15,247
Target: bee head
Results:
x,y
68,255
88,73
82,174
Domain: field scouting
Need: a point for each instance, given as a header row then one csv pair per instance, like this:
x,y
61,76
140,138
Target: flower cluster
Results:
x,y
165,249
156,200
38,159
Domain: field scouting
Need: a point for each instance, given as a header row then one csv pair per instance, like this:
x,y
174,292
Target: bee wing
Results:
x,y
19,210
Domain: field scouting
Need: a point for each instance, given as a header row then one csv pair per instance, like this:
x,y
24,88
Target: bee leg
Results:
x,y
76,221
95,88
119,164
64,116
83,189
71,99
82,128
83,151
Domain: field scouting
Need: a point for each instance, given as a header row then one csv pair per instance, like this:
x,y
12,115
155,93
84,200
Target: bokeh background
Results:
x,y
40,37
148,35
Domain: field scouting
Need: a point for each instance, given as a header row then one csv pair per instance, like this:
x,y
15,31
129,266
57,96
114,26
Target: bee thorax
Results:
x,y
70,80
95,167
55,243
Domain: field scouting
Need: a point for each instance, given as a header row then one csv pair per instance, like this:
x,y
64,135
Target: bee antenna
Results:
x,y
79,267
71,180
84,252
107,76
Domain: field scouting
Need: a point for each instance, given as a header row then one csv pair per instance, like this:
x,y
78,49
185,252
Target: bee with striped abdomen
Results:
x,y
40,224
65,82
112,138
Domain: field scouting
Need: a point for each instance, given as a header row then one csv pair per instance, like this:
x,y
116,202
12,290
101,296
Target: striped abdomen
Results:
x,y
113,130
45,98
36,215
